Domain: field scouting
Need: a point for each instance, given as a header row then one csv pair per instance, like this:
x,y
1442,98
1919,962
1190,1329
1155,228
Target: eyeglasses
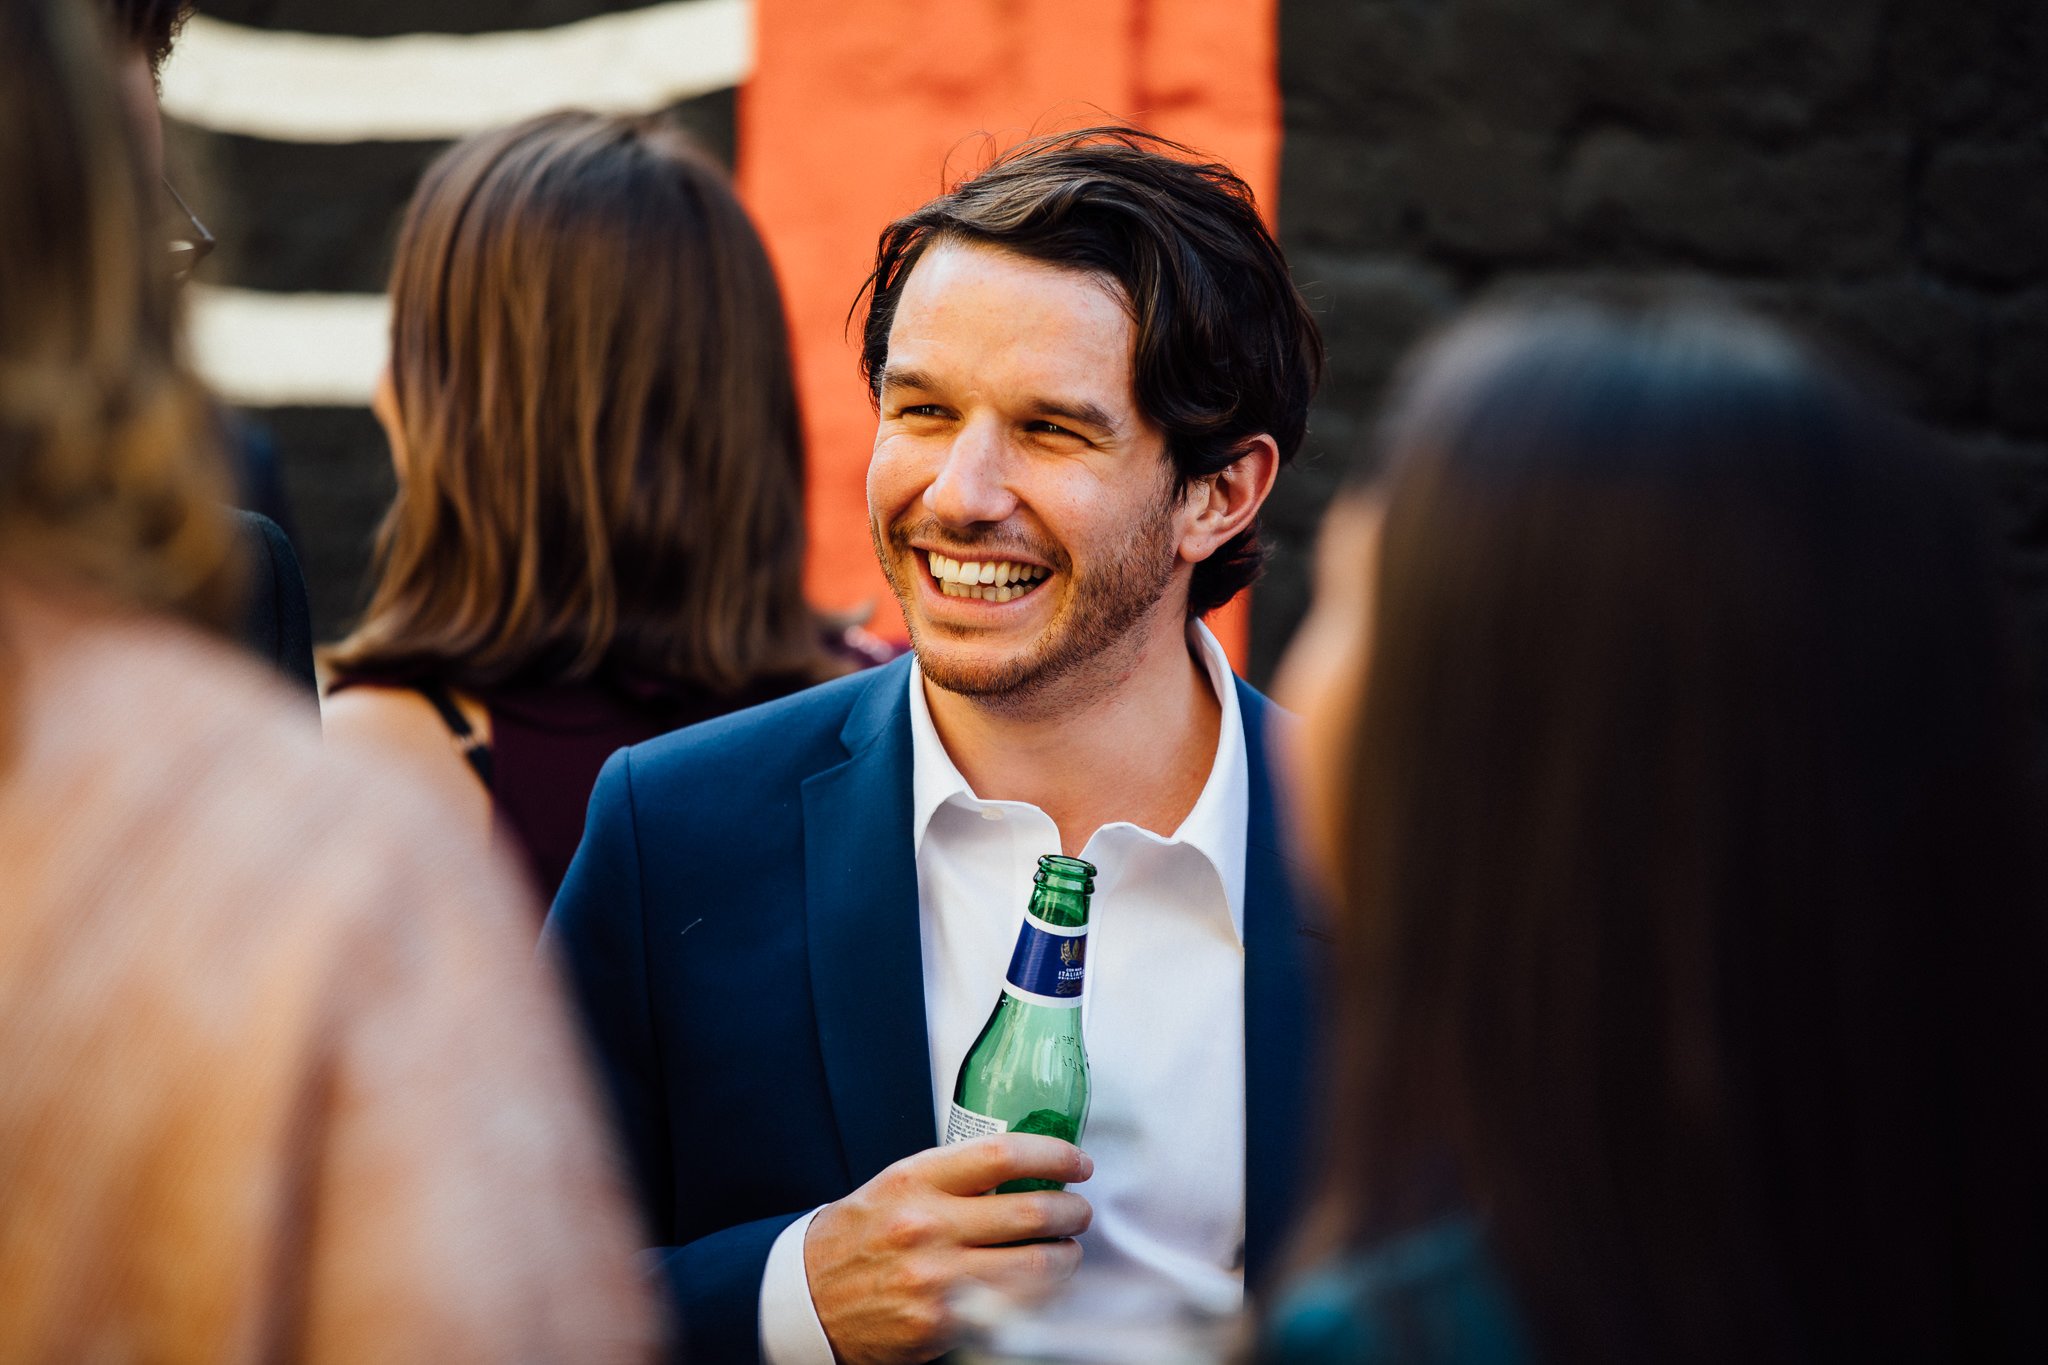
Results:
x,y
190,241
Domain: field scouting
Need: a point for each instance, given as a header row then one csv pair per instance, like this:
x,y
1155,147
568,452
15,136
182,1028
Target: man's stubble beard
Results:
x,y
1091,643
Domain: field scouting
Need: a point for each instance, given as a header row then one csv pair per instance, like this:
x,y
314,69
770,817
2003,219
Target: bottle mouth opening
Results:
x,y
1065,874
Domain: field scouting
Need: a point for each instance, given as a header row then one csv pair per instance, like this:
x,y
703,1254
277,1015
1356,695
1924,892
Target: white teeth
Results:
x,y
991,573
995,580
983,593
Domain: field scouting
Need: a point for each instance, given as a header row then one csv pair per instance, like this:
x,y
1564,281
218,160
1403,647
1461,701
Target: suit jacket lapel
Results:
x,y
861,917
1281,1011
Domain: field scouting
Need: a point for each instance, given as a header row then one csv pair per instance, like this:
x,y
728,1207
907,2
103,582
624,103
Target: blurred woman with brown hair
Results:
x,y
279,1074
1666,757
598,534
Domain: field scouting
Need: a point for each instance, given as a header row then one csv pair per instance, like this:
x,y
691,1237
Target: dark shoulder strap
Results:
x,y
467,742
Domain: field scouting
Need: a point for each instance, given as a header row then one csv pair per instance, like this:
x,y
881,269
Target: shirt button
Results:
x,y
991,813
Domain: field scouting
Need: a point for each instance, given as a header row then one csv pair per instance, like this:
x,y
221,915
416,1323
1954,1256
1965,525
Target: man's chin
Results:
x,y
970,672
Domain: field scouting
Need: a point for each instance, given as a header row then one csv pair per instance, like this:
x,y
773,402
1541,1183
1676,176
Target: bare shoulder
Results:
x,y
398,725
395,715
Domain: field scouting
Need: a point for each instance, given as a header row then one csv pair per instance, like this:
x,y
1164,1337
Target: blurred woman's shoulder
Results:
x,y
141,738
236,962
1431,1297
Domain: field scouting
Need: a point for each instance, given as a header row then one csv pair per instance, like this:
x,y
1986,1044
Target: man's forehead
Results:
x,y
983,309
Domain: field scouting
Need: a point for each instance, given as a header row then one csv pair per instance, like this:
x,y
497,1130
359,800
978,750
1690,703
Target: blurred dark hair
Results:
x,y
1226,348
110,476
1694,912
151,25
604,465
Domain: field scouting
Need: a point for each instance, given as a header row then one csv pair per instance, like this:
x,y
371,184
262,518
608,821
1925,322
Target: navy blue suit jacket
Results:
x,y
741,927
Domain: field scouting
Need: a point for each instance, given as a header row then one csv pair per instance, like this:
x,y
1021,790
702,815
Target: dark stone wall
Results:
x,y
1874,171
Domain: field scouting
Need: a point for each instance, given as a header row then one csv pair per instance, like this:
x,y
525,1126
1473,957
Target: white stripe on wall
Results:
x,y
299,87
277,350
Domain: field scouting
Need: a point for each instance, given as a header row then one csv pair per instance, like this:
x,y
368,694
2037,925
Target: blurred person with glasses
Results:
x,y
276,618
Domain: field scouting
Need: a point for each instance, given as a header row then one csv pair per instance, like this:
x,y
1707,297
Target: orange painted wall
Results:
x,y
858,112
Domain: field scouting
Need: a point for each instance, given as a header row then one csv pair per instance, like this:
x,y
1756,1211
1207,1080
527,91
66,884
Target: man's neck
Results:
x,y
1139,750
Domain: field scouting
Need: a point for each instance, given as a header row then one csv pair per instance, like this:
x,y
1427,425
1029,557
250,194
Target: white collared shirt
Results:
x,y
1162,1014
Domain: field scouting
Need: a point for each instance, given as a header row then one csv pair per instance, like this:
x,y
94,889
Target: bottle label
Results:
x,y
1048,965
964,1125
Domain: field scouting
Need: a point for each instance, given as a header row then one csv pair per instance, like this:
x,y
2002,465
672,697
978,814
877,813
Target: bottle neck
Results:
x,y
1060,907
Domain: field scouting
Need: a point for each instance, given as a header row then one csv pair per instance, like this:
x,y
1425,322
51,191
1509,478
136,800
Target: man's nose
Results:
x,y
972,484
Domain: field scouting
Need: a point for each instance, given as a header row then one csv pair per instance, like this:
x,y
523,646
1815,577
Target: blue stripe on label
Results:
x,y
1049,964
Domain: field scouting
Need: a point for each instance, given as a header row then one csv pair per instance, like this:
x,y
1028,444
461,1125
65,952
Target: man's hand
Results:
x,y
883,1261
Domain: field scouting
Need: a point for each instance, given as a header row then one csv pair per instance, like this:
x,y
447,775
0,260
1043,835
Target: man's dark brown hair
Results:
x,y
151,25
1226,347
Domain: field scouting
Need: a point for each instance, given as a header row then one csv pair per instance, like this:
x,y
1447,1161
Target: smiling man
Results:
x,y
788,925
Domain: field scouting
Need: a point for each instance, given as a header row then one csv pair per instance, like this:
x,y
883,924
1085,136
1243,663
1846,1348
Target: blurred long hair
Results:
x,y
111,479
603,465
1694,929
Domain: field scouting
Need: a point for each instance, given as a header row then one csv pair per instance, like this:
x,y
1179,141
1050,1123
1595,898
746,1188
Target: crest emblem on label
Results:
x,y
1048,963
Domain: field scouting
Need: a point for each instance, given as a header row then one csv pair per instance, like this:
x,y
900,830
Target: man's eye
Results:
x,y
1052,429
920,410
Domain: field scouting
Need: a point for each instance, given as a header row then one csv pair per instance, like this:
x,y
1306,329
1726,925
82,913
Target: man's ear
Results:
x,y
1223,504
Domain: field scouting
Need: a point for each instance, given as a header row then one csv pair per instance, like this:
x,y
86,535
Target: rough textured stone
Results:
x,y
2019,366
1344,191
1479,192
1833,205
1969,70
1873,171
1459,188
1370,310
1759,71
1923,341
1984,210
1367,70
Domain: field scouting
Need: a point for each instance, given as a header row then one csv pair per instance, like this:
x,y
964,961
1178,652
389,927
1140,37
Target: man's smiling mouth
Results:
x,y
989,580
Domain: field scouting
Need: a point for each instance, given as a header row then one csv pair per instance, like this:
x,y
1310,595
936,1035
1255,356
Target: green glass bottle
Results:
x,y
1028,1070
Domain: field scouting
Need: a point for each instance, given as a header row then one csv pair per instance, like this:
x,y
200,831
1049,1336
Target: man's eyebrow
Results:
x,y
1080,410
903,377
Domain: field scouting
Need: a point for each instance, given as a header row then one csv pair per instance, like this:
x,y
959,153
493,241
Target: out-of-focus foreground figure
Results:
x,y
278,1074
598,535
1665,754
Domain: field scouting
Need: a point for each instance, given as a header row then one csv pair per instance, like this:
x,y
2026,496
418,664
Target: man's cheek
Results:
x,y
894,480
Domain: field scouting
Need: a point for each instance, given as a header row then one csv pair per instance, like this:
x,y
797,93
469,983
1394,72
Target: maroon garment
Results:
x,y
547,744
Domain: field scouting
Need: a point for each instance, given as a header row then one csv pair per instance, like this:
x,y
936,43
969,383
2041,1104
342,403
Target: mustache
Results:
x,y
993,544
